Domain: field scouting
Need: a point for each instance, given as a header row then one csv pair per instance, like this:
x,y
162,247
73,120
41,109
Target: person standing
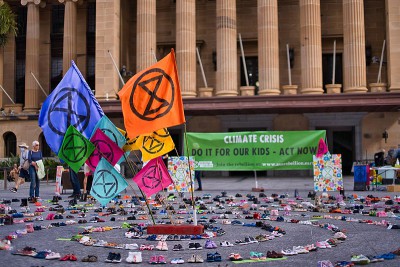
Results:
x,y
73,176
34,155
23,174
197,175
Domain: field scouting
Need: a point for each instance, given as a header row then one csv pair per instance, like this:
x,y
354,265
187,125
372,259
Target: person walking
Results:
x,y
34,155
23,174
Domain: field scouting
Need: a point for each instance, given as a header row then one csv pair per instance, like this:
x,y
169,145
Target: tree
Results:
x,y
8,23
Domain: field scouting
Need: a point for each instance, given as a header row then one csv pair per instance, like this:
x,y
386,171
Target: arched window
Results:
x,y
10,144
46,151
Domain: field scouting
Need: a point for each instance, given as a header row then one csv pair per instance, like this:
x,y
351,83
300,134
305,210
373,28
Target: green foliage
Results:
x,y
7,165
50,164
8,23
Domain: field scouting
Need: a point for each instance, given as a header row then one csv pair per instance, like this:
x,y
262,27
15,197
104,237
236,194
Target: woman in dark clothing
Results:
x,y
34,155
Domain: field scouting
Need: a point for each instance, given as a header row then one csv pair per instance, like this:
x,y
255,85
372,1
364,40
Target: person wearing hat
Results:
x,y
23,174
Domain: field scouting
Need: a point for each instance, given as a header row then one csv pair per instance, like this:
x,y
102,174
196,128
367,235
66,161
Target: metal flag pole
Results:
x,y
288,63
154,54
381,61
201,67
334,62
243,60
7,94
116,68
34,77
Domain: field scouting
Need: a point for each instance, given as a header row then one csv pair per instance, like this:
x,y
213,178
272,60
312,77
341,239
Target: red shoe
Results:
x,y
65,258
72,257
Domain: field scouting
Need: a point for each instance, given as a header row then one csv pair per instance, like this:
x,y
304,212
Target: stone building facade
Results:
x,y
356,107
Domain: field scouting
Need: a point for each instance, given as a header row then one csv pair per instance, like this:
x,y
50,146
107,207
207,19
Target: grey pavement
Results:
x,y
362,238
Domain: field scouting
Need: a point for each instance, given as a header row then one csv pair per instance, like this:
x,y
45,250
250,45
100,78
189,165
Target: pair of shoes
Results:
x,y
195,259
210,244
157,260
14,190
90,258
162,245
177,261
195,246
235,257
199,189
113,257
69,257
134,257
177,247
211,257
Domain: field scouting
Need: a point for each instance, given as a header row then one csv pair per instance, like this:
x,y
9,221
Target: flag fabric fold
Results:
x,y
107,127
71,103
151,100
107,182
75,148
156,144
130,143
153,177
105,148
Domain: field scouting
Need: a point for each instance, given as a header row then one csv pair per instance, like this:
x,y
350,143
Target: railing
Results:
x,y
6,170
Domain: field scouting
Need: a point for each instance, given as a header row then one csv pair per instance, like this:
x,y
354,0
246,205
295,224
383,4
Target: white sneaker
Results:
x,y
134,257
131,246
177,261
53,256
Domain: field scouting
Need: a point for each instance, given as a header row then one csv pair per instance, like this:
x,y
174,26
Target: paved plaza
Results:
x,y
362,238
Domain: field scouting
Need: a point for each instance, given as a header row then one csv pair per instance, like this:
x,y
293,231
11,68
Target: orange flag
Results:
x,y
151,100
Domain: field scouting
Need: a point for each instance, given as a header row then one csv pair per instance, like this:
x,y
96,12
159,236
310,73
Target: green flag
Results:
x,y
75,148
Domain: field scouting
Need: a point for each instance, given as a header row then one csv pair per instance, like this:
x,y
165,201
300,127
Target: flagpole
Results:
x,y
7,94
191,180
145,198
116,68
34,77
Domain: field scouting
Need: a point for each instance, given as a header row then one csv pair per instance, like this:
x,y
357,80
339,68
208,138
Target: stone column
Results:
x,y
186,46
108,24
355,75
32,55
146,34
311,48
227,76
69,41
393,44
268,47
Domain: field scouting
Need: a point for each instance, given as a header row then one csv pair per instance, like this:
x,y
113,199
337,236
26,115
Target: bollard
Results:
x,y
5,178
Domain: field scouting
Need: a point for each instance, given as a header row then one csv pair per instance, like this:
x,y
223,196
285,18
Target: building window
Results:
x,y
91,45
10,144
20,54
56,36
252,72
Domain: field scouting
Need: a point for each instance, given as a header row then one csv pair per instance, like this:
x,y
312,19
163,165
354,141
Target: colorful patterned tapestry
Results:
x,y
328,172
179,170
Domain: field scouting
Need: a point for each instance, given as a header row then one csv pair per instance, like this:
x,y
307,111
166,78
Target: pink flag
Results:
x,y
322,148
153,178
106,148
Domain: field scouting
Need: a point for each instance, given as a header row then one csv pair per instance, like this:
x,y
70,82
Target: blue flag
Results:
x,y
71,103
107,182
107,127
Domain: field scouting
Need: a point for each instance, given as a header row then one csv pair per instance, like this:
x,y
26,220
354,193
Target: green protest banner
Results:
x,y
268,150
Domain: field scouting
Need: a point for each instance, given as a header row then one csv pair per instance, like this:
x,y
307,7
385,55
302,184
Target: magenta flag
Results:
x,y
153,177
322,148
105,148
